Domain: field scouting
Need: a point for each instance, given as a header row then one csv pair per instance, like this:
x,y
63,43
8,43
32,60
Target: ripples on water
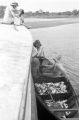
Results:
x,y
62,40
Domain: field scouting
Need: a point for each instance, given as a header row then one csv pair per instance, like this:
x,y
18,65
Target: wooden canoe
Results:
x,y
55,95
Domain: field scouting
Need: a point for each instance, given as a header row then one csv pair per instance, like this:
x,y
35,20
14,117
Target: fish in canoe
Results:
x,y
54,92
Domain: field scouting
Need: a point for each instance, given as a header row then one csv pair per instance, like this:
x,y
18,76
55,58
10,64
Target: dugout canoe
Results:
x,y
55,96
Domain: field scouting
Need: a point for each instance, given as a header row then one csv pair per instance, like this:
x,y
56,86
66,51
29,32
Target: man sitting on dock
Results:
x,y
14,16
10,13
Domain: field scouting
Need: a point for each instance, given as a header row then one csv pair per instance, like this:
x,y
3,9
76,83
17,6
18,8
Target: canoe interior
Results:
x,y
56,95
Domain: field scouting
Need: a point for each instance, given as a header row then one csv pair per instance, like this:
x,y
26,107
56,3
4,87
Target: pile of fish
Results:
x,y
52,88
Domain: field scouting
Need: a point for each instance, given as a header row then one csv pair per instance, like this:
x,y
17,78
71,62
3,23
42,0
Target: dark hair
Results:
x,y
21,11
37,42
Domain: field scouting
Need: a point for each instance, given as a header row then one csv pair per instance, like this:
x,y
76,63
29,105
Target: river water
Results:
x,y
62,40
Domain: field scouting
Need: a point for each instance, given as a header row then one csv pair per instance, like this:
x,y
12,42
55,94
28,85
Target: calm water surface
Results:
x,y
62,40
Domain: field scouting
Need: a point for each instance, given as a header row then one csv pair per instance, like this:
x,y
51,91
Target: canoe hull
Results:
x,y
56,95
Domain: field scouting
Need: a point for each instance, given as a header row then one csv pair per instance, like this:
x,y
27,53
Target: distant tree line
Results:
x,y
45,14
41,13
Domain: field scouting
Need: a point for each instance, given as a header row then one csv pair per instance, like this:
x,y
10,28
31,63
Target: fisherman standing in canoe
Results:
x,y
42,65
37,55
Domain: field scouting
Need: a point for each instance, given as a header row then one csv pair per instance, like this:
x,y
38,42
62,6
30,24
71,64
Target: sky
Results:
x,y
46,5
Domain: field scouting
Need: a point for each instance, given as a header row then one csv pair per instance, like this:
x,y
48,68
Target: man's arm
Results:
x,y
41,52
34,52
14,12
